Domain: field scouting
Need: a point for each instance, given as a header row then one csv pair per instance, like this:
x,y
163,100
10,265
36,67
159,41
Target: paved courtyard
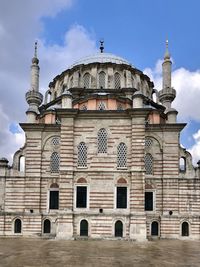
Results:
x,y
20,252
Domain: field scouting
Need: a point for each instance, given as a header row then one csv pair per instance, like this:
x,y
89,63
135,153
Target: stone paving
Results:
x,y
21,252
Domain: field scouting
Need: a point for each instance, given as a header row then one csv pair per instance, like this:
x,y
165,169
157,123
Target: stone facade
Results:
x,y
102,158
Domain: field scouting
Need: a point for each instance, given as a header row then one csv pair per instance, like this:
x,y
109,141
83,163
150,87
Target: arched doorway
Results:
x,y
47,227
154,228
84,228
118,229
17,226
185,229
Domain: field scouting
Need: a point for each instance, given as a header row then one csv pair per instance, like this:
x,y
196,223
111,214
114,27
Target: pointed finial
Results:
x,y
35,54
101,46
167,55
35,60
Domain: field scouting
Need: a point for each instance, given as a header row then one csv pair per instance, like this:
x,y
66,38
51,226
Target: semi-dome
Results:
x,y
101,58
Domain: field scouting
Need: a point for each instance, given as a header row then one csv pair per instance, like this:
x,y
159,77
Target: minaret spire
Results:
x,y
167,94
101,46
33,96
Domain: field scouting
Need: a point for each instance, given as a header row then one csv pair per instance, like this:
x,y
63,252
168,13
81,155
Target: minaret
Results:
x,y
33,96
168,93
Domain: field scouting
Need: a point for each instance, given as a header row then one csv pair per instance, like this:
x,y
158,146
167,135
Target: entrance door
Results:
x,y
118,229
154,228
84,228
185,229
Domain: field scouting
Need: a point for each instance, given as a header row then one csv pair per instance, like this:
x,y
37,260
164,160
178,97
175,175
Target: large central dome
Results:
x,y
101,58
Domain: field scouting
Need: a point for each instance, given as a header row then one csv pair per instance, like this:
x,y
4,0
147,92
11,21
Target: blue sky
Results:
x,y
70,29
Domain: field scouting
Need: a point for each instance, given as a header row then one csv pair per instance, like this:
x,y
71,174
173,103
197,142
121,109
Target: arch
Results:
x,y
55,162
47,226
185,229
102,140
82,155
82,181
148,162
118,229
182,164
21,165
102,79
54,185
121,155
117,80
17,226
154,228
121,181
86,80
84,228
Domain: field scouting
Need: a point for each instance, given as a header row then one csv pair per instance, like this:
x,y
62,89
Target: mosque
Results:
x,y
102,158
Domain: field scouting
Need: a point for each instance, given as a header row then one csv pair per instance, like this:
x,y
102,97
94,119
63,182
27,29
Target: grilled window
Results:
x,y
55,141
102,79
86,80
82,155
81,196
121,155
102,106
148,161
148,201
102,139
55,162
117,80
121,197
148,142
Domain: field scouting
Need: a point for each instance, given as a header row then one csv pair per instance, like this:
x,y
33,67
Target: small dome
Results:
x,y
101,58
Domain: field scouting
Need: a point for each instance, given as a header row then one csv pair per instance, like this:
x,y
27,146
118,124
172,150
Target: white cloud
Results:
x,y
195,149
20,26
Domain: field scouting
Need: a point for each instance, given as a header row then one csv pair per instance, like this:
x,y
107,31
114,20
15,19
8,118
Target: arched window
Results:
x,y
84,228
102,106
55,162
121,155
82,155
21,166
102,79
118,229
47,227
182,164
185,229
102,139
154,228
17,226
86,80
117,80
54,197
55,142
148,162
